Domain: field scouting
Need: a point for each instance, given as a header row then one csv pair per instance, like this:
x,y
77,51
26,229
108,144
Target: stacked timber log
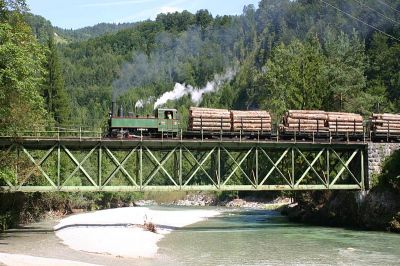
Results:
x,y
339,122
209,119
385,123
305,121
251,121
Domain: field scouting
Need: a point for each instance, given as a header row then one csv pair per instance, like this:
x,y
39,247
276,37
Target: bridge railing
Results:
x,y
56,132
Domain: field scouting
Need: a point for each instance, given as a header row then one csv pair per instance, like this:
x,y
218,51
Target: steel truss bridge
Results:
x,y
95,164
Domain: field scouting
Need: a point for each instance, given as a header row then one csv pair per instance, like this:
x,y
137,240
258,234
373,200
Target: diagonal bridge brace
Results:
x,y
119,167
200,166
238,166
310,167
79,165
161,165
275,166
38,165
345,167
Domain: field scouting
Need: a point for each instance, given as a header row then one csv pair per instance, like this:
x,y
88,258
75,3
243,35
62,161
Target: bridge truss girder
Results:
x,y
148,165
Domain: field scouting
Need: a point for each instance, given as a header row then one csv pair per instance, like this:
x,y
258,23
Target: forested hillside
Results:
x,y
287,54
332,55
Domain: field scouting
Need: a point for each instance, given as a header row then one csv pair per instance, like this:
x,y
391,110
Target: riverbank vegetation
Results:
x,y
282,55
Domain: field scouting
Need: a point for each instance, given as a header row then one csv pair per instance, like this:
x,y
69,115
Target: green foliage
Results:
x,y
292,54
41,28
21,72
391,171
70,35
384,65
176,22
294,77
56,98
345,70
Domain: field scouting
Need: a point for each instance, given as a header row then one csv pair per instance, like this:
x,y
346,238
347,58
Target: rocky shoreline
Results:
x,y
200,199
377,209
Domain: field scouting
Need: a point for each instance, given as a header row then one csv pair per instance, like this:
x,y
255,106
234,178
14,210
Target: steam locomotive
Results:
x,y
163,121
223,123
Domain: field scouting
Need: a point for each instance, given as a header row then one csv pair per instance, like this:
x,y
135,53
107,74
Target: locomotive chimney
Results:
x,y
113,113
121,111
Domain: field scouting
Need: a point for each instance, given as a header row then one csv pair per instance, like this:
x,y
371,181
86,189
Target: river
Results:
x,y
245,237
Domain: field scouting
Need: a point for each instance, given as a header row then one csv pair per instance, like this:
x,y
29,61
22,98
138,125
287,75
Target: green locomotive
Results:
x,y
164,121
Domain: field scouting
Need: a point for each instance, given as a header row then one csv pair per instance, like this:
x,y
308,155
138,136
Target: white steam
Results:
x,y
141,103
196,94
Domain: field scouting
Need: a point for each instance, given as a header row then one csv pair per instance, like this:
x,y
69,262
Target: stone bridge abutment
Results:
x,y
377,153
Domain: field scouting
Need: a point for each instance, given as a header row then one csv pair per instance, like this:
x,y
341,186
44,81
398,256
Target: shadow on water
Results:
x,y
230,228
34,230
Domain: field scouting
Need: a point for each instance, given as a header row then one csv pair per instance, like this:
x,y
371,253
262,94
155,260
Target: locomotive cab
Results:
x,y
167,120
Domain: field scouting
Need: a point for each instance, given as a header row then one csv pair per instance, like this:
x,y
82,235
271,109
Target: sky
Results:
x,y
73,14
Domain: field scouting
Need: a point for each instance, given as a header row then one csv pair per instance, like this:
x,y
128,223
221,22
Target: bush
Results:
x,y
391,171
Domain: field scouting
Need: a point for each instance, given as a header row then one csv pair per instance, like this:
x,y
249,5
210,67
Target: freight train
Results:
x,y
224,123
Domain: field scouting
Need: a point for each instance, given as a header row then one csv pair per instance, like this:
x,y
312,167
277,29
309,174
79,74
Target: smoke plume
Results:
x,y
169,61
196,94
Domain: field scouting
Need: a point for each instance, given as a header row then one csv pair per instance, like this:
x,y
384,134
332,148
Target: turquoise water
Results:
x,y
266,237
245,237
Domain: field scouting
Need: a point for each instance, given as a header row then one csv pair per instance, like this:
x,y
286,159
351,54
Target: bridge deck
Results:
x,y
167,143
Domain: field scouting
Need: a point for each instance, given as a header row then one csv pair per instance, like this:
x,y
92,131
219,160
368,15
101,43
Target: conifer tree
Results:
x,y
56,98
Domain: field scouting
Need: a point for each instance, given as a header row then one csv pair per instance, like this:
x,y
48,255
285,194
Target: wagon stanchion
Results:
x,y
241,123
277,132
336,128
220,132
388,131
364,128
370,134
